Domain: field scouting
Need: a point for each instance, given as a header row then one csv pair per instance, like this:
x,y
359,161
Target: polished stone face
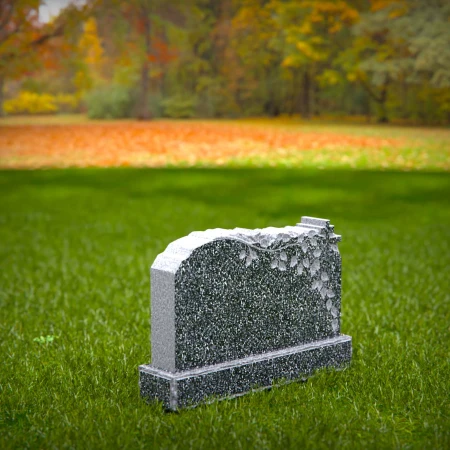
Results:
x,y
220,296
235,297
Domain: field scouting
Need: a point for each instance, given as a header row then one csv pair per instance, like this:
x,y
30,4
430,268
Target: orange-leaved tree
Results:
x,y
141,26
23,37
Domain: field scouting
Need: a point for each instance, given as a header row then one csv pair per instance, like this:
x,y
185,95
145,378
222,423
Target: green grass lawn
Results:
x,y
75,252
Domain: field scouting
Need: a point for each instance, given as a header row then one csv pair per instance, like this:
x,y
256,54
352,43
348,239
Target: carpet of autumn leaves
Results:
x,y
162,143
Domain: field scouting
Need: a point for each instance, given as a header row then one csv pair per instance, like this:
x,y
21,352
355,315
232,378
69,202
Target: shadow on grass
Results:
x,y
271,193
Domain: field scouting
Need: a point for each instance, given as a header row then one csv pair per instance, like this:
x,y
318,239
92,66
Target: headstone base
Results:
x,y
235,378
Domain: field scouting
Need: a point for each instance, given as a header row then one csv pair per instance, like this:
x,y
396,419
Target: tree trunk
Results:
x,y
291,100
2,85
144,111
315,95
404,99
380,99
306,100
383,118
368,111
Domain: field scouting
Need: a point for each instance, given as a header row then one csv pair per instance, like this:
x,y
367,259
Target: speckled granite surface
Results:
x,y
237,309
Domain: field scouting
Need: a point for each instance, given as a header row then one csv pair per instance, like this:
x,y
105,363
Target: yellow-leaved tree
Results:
x,y
312,35
91,59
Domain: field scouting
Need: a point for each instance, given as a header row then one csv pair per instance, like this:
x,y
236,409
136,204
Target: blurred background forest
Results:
x,y
381,59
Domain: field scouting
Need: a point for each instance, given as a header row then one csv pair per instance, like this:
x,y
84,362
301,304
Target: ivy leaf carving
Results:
x,y
294,261
265,242
335,324
315,266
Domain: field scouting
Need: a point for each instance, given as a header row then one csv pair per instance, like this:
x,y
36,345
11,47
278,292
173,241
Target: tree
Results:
x,y
22,36
312,32
143,25
91,58
399,42
256,40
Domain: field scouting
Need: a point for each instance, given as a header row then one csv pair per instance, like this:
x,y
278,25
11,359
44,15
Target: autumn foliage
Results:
x,y
385,59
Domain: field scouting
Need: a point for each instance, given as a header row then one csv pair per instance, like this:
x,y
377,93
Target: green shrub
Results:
x,y
179,107
155,105
113,102
66,103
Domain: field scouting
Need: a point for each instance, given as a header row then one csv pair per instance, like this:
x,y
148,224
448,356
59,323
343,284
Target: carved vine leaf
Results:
x,y
300,253
248,254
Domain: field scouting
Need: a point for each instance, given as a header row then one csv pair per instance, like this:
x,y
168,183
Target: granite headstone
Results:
x,y
238,310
